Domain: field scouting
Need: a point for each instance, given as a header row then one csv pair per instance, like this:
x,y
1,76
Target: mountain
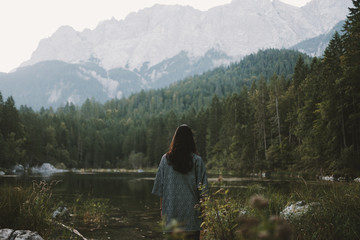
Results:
x,y
317,45
159,45
53,83
161,32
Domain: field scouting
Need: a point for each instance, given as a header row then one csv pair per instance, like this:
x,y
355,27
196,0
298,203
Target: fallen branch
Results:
x,y
71,229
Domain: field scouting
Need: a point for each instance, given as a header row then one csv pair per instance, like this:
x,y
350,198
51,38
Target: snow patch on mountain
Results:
x,y
155,75
54,95
74,98
109,86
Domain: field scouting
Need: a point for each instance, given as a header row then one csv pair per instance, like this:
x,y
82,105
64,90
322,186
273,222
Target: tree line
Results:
x,y
277,110
131,132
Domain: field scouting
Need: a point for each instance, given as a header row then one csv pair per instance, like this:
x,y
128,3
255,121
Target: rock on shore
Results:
x,y
10,234
297,210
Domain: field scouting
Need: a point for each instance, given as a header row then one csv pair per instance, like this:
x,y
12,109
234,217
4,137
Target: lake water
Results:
x,y
134,210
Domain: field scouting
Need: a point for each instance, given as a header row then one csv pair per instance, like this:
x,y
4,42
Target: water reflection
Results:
x,y
134,210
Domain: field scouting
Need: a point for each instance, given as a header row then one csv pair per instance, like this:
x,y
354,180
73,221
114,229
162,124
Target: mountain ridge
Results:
x,y
163,31
85,74
317,45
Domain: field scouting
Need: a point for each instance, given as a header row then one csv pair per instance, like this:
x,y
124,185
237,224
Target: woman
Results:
x,y
180,176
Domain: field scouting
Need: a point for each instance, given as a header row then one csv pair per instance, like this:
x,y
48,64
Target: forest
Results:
x,y
276,110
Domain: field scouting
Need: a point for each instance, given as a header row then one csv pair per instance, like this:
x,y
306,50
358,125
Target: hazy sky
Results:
x,y
23,23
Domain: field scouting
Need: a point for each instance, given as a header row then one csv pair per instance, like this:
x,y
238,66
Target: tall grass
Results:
x,y
254,213
337,215
31,208
27,207
90,212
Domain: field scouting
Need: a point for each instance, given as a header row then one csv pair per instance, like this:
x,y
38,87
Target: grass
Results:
x,y
251,213
31,208
27,207
338,214
90,212
254,213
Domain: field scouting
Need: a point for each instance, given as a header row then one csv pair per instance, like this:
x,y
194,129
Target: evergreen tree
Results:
x,y
329,136
277,108
2,140
214,125
350,84
11,120
1,111
260,99
300,73
242,147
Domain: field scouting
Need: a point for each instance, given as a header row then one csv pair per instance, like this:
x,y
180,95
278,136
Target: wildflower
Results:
x,y
264,234
283,230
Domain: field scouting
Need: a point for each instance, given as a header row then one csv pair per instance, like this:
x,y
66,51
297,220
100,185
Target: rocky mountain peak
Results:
x,y
157,46
155,34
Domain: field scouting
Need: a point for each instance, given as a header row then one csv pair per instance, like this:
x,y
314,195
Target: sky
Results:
x,y
23,23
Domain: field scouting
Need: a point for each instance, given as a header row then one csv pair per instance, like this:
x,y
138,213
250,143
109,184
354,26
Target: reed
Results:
x,y
27,207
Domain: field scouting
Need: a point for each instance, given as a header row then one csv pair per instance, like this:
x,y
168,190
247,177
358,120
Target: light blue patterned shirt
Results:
x,y
180,193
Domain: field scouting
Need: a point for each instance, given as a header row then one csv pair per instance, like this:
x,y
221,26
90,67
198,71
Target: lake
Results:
x,y
134,210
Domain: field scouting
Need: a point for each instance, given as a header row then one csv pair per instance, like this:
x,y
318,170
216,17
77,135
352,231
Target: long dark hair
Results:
x,y
181,149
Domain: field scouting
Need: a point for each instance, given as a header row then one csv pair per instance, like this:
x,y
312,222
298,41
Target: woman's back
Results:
x,y
180,192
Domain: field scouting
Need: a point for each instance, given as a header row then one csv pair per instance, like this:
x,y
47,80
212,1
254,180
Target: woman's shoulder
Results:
x,y
197,157
163,159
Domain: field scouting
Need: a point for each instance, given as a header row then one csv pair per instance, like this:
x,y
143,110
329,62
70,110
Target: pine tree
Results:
x,y
300,72
329,127
214,126
261,127
351,84
277,108
2,141
11,120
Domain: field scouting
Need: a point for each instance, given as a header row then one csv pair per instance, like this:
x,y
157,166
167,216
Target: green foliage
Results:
x,y
109,135
11,134
27,207
90,212
336,217
137,160
31,208
219,215
226,217
276,110
254,213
